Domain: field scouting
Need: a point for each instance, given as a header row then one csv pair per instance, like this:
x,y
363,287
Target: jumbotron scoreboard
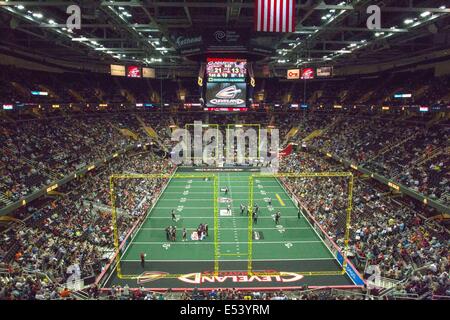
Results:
x,y
226,70
226,88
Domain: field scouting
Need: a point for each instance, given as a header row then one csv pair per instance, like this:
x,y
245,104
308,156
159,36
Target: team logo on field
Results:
x,y
241,277
225,200
150,276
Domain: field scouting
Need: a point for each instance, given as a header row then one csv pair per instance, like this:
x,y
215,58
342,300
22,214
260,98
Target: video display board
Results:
x,y
226,70
148,73
325,72
117,70
226,95
307,73
134,72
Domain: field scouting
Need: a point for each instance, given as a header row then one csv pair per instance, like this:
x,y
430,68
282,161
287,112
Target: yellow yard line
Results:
x,y
280,200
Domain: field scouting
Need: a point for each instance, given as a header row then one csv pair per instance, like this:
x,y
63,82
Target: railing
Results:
x,y
4,271
80,295
439,297
446,197
405,296
352,294
382,282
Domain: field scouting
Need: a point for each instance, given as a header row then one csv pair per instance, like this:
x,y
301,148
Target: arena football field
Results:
x,y
293,246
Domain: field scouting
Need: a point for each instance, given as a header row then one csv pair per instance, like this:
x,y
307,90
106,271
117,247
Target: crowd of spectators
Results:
x,y
384,233
412,154
141,293
37,152
75,230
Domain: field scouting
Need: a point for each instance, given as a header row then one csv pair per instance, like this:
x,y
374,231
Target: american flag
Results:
x,y
275,15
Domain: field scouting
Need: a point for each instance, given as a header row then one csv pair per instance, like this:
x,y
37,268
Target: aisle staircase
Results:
x,y
125,132
434,153
4,200
439,117
390,147
77,96
21,89
148,129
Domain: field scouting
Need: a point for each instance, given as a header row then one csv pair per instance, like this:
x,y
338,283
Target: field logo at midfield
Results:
x,y
243,146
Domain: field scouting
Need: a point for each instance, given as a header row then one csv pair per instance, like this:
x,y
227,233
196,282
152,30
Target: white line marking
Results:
x,y
222,217
239,260
212,243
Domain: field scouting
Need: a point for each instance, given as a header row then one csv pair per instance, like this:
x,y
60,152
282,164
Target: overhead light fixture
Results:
x,y
408,21
425,14
20,7
38,15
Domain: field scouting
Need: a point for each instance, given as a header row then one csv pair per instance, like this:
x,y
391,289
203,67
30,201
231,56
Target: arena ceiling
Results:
x,y
179,33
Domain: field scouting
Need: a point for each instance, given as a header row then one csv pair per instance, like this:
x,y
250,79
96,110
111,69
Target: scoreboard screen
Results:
x,y
226,70
226,94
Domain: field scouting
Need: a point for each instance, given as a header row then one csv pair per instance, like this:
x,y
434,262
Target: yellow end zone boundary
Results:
x,y
302,175
114,177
